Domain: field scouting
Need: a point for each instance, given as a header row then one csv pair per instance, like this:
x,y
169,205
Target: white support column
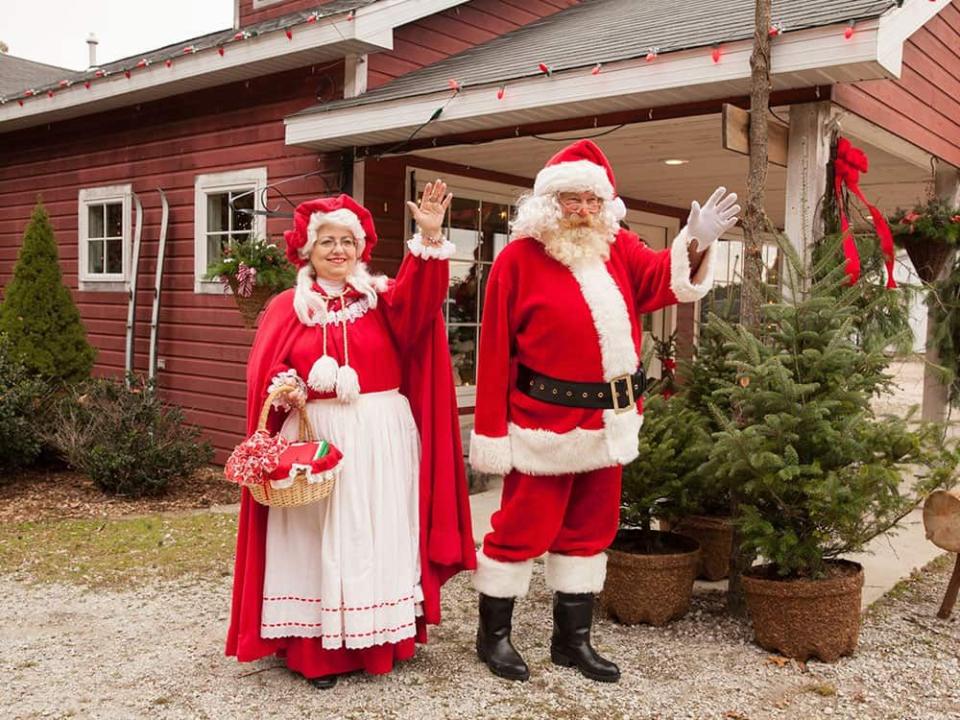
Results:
x,y
808,155
355,83
354,75
935,393
358,180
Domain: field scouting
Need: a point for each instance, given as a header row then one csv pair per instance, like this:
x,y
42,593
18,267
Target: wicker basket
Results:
x,y
301,492
928,256
251,306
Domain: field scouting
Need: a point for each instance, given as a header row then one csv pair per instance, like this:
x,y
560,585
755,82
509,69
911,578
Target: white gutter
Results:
x,y
806,58
897,25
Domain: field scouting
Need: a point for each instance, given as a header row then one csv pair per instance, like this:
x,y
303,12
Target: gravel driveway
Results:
x,y
157,652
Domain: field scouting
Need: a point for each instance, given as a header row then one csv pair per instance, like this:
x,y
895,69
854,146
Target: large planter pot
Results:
x,y
715,535
649,576
806,618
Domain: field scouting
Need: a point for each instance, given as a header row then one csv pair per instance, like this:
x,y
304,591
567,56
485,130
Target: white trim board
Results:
x,y
817,56
330,38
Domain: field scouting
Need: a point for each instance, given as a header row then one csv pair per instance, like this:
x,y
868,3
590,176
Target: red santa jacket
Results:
x,y
577,324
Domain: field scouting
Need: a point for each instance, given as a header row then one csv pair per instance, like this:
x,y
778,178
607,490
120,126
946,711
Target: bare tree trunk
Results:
x,y
751,298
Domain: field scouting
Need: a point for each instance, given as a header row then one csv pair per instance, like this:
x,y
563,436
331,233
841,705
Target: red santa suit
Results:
x,y
577,323
350,582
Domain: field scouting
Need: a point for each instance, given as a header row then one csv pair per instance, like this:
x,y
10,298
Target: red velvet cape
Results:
x,y
446,536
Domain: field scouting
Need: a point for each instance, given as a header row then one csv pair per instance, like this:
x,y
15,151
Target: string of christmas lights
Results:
x,y
653,53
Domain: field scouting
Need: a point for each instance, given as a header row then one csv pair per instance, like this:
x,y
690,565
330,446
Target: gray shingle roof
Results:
x,y
17,74
607,31
41,83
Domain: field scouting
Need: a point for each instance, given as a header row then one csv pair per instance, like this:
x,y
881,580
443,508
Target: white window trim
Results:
x,y
257,4
221,182
107,282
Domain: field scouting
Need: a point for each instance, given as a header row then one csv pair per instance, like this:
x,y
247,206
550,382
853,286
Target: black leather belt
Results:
x,y
619,394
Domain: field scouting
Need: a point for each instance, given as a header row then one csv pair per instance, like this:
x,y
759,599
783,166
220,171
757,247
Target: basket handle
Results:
x,y
305,430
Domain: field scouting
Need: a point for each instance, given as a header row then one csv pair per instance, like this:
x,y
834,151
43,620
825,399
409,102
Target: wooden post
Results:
x,y
935,393
808,156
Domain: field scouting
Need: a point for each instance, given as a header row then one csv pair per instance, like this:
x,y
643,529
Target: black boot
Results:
x,y
324,682
493,639
570,645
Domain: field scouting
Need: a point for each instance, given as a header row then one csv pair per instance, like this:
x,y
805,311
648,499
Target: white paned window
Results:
x,y
224,205
104,236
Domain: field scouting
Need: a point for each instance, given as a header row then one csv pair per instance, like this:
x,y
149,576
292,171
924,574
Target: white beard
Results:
x,y
572,245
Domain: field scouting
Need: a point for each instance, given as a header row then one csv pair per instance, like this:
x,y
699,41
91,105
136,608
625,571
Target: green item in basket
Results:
x,y
322,449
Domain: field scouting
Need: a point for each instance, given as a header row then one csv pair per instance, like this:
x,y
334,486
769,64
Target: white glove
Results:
x,y
716,217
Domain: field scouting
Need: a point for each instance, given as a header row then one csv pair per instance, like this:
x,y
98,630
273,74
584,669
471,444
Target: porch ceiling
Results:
x,y
637,153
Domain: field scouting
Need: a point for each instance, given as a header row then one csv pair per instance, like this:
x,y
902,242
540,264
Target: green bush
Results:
x,y
38,313
125,438
21,399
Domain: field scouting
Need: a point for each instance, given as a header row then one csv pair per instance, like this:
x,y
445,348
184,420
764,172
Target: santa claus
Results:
x,y
559,388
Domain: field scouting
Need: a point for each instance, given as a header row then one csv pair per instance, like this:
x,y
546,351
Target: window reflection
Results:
x,y
480,230
725,297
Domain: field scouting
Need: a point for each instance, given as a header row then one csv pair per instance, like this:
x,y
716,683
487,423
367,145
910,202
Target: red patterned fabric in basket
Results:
x,y
263,458
253,461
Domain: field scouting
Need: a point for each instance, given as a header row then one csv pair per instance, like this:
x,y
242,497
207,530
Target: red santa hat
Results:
x,y
341,210
579,167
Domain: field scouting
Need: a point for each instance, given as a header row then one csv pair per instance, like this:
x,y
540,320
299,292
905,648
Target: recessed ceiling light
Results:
x,y
675,161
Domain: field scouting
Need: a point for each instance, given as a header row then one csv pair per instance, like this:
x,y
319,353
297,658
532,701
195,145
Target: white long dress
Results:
x,y
347,569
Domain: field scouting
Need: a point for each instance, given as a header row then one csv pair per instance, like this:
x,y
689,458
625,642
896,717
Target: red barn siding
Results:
x,y
923,106
166,144
248,15
438,36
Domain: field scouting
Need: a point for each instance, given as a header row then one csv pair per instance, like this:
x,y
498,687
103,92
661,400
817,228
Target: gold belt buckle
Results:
x,y
616,396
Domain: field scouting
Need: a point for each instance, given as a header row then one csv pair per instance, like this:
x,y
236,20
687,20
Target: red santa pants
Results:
x,y
573,518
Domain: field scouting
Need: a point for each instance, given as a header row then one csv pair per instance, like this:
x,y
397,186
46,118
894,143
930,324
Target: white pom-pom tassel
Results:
x,y
348,384
323,374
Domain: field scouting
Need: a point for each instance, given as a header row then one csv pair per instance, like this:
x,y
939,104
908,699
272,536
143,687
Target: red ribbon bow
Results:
x,y
850,162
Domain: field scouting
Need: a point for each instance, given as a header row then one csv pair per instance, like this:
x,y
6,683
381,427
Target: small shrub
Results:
x,y
21,399
125,438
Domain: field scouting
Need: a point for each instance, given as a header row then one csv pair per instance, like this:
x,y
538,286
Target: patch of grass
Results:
x,y
823,689
117,553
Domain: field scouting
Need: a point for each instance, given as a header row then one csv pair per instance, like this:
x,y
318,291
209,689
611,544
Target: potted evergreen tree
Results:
x,y
650,573
818,472
700,505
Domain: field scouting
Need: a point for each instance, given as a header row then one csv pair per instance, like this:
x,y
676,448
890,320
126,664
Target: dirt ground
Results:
x,y
156,650
117,608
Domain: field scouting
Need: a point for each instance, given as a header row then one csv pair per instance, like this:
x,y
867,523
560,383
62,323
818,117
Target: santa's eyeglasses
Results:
x,y
572,201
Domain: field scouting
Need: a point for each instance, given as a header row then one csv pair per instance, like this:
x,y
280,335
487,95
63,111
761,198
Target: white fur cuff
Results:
x,y
443,251
571,574
502,579
689,289
490,454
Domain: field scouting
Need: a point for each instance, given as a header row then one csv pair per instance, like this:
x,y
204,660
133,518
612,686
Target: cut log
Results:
x,y
941,519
